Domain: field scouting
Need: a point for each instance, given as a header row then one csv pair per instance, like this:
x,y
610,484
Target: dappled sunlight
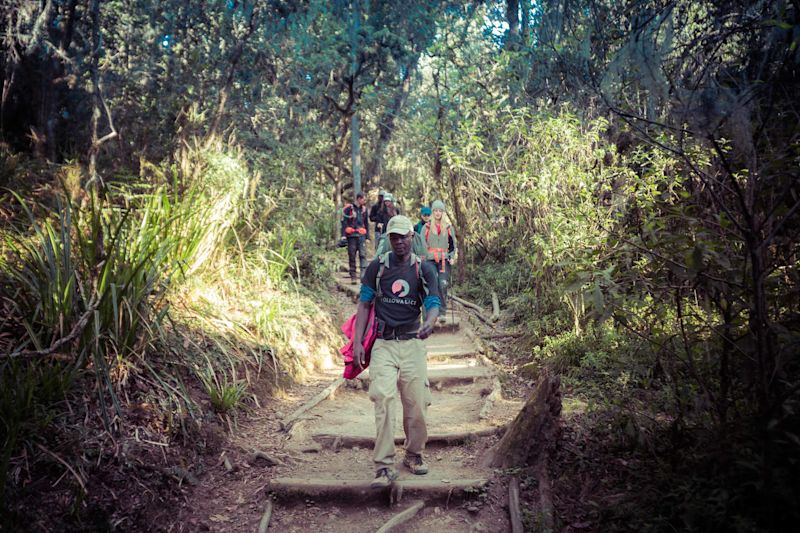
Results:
x,y
246,305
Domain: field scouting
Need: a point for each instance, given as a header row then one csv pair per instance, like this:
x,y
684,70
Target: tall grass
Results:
x,y
87,283
224,389
45,276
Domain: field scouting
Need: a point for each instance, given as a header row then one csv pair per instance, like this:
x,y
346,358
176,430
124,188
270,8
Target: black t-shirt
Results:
x,y
402,290
374,211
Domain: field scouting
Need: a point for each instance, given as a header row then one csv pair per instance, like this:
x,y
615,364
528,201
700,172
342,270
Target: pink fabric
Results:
x,y
349,328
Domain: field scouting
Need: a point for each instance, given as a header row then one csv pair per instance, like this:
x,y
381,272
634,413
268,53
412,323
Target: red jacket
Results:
x,y
349,329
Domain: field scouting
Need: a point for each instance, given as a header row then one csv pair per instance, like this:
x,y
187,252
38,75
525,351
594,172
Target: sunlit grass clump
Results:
x,y
224,390
138,292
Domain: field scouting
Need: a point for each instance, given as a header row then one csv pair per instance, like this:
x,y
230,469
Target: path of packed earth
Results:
x,y
303,463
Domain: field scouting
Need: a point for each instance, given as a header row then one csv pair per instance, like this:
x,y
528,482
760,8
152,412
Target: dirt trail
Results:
x,y
318,462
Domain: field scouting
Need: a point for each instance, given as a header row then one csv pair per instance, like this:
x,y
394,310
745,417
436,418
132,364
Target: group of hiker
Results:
x,y
433,240
410,271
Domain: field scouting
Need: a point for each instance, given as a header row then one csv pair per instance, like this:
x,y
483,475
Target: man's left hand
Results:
x,y
425,331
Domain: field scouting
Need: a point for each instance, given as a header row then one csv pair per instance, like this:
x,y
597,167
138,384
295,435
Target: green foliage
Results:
x,y
224,391
46,275
283,257
90,282
634,212
29,398
601,355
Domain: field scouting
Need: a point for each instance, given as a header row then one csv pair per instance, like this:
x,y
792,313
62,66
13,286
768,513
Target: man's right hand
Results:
x,y
359,356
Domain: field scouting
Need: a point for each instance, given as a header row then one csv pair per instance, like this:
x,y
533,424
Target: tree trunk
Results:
x,y
355,131
224,92
512,17
95,62
386,125
525,26
533,431
437,155
462,228
355,135
337,200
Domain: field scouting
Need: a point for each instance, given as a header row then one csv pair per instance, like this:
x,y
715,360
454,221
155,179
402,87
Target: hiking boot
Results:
x,y
415,464
384,477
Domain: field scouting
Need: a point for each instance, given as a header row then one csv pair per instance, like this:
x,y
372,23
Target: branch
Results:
x,y
263,525
736,187
672,261
495,308
77,329
513,506
768,239
38,28
628,118
478,311
63,462
113,132
342,110
402,518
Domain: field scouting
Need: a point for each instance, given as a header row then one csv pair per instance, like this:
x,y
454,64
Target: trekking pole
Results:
x,y
452,308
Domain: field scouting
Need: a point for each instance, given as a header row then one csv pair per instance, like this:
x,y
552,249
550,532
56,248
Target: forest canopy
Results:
x,y
624,175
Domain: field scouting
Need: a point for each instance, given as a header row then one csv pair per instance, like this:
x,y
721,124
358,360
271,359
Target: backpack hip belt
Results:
x,y
439,257
399,333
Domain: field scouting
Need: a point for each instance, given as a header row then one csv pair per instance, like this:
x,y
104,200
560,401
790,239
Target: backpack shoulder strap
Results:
x,y
417,260
384,261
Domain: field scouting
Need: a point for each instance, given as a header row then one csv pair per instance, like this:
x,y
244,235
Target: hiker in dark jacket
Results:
x,y
354,228
398,357
387,211
374,215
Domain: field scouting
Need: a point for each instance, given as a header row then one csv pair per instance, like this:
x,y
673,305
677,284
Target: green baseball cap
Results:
x,y
400,225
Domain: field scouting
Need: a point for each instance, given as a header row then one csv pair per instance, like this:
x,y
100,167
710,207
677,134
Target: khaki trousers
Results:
x,y
399,366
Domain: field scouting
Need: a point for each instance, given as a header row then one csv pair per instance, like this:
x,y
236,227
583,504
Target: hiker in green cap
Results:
x,y
400,283
440,238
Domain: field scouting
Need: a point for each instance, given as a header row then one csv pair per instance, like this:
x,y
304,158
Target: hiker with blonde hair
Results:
x,y
440,238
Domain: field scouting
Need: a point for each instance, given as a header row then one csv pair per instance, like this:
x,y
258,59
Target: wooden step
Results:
x,y
336,441
446,376
451,323
344,285
445,353
359,488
